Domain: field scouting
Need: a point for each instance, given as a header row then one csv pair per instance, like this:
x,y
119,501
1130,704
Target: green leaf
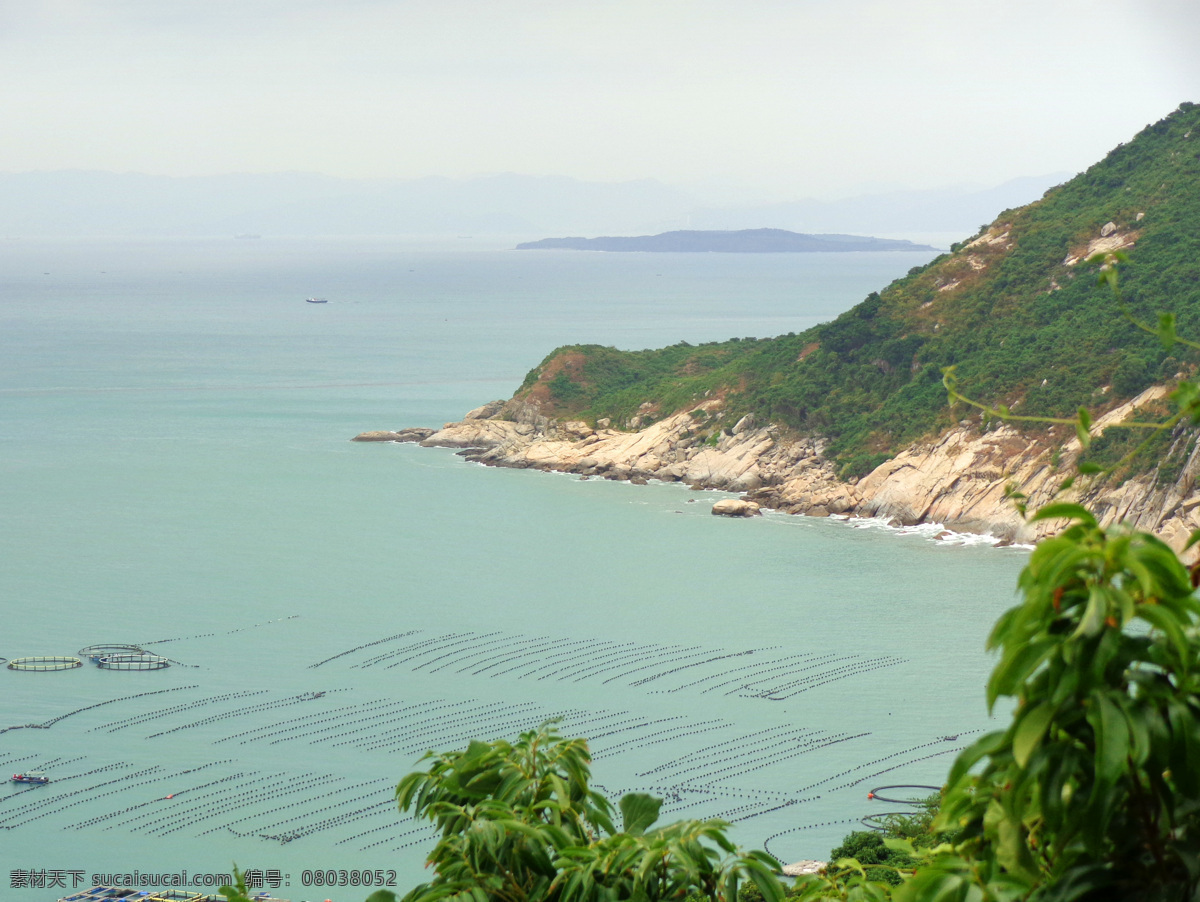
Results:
x,y
1064,511
931,885
731,885
766,881
1186,746
1017,666
1187,398
1030,728
1085,438
1112,737
1012,849
986,745
1168,623
1092,620
638,811
896,844
1166,330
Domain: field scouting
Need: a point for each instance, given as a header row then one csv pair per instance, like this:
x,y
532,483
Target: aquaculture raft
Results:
x,y
142,661
96,652
97,893
43,663
117,893
878,821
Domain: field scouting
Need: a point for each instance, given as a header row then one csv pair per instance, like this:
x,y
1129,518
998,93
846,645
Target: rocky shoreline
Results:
x,y
959,480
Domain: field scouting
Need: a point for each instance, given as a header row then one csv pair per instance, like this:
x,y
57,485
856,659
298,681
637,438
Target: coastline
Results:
x,y
960,480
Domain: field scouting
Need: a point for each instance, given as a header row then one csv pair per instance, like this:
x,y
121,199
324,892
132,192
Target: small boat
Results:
x,y
317,300
35,777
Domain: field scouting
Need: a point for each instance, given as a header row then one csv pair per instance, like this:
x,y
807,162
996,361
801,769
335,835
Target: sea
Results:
x,y
177,475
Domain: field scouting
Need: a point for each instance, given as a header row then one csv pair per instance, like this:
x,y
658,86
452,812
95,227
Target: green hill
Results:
x,y
1014,307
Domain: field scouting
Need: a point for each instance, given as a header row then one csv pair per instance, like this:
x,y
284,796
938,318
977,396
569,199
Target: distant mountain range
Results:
x,y
86,204
744,241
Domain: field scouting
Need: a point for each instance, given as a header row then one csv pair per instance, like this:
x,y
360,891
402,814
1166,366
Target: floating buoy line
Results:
x,y
702,767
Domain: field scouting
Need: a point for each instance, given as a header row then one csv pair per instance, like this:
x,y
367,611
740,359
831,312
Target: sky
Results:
x,y
763,99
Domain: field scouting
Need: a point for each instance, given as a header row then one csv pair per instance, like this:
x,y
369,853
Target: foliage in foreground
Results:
x,y
520,822
1094,787
1092,792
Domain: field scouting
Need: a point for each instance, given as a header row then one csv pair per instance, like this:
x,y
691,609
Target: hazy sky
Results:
x,y
788,97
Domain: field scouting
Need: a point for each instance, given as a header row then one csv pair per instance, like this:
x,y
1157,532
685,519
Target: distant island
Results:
x,y
745,241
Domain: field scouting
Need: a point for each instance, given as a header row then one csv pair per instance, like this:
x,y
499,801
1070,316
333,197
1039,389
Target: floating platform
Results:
x,y
142,661
97,893
42,663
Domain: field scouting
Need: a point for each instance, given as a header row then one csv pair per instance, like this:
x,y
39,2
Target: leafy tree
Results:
x,y
519,822
868,847
1092,792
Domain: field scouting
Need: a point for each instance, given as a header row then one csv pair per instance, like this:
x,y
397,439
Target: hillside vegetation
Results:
x,y
1015,308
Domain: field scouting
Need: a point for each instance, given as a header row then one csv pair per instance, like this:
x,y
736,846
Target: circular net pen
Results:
x,y
879,822
142,661
43,663
96,652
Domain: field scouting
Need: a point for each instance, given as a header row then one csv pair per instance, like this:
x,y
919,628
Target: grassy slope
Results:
x,y
1023,328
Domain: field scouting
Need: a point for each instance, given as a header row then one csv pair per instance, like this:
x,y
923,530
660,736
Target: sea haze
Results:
x,y
177,473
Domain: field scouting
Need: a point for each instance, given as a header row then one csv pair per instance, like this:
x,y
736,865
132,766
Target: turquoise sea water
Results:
x,y
176,472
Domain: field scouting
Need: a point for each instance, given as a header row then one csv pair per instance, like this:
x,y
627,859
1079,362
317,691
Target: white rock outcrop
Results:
x,y
961,479
736,507
803,868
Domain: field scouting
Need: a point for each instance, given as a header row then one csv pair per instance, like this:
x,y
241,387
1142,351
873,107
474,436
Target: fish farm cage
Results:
x,y
42,663
142,661
878,822
95,652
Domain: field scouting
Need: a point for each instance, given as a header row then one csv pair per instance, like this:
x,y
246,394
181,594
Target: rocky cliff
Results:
x,y
962,479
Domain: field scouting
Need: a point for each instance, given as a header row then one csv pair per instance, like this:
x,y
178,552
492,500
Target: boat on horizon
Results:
x,y
317,300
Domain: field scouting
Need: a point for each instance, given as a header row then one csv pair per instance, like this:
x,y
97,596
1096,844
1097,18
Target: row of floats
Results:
x,y
106,657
